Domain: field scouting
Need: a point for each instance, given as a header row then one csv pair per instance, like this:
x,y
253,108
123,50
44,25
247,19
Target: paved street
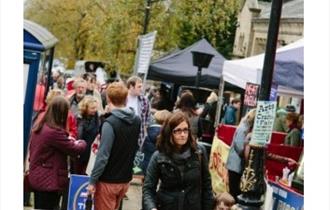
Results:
x,y
134,197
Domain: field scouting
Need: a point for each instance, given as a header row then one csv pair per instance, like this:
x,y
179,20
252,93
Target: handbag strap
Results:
x,y
200,168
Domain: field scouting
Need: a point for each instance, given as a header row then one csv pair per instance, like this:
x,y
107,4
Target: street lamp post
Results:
x,y
201,60
252,183
146,16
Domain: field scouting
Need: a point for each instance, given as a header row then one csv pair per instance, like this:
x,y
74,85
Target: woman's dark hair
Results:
x,y
165,139
187,103
56,114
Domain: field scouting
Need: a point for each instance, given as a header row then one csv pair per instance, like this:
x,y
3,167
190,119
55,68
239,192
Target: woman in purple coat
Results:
x,y
49,147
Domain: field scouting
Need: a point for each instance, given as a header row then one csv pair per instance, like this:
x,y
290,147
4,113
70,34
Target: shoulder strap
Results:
x,y
201,169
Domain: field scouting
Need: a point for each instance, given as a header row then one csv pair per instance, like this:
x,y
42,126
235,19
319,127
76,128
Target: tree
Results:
x,y
73,22
108,30
214,20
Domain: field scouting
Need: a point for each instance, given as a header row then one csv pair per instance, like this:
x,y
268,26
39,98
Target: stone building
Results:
x,y
253,21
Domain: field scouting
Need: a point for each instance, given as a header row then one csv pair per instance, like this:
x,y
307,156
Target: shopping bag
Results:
x,y
94,148
268,204
138,160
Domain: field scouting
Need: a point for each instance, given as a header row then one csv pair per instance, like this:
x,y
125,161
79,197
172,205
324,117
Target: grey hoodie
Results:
x,y
107,139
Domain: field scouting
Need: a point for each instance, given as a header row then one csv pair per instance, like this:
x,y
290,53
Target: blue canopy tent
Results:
x,y
178,67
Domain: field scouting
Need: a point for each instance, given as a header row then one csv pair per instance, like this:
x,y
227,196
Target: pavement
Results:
x,y
134,196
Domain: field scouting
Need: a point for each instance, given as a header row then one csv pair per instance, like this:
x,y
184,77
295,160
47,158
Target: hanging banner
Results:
x,y
217,166
77,192
284,198
263,123
144,52
251,95
273,93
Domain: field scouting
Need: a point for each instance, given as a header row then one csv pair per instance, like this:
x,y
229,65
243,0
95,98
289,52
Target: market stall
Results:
x,y
219,154
288,70
178,67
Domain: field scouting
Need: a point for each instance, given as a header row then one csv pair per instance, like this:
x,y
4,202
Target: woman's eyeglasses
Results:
x,y
179,131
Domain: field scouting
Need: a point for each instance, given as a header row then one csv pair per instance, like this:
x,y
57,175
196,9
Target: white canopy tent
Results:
x,y
239,72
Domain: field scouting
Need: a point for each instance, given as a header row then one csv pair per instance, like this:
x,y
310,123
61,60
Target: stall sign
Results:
x,y
251,95
217,166
263,123
78,192
284,199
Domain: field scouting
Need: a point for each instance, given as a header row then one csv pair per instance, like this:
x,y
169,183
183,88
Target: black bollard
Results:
x,y
253,184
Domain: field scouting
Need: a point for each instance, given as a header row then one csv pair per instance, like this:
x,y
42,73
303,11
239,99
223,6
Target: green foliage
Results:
x,y
108,30
214,20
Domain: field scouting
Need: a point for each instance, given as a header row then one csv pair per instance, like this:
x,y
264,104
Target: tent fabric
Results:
x,y
178,67
288,70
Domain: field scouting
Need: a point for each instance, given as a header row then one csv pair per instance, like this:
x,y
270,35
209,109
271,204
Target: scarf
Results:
x,y
180,159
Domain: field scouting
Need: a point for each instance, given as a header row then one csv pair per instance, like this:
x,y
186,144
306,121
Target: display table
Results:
x,y
226,133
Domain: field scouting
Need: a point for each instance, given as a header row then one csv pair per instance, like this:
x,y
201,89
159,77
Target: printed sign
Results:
x,y
263,123
251,94
273,93
77,192
144,52
285,199
217,166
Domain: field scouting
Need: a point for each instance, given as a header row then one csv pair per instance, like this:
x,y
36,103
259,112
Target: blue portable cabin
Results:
x,y
39,46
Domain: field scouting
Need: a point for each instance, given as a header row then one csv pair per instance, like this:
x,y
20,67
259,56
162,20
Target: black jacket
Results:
x,y
191,191
88,128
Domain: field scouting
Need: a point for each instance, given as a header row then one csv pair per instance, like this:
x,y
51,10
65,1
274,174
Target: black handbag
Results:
x,y
89,202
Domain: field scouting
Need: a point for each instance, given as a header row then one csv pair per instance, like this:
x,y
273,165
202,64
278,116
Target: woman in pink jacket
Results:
x,y
50,144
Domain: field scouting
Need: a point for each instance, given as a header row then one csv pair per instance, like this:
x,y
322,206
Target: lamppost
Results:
x,y
146,16
201,60
252,183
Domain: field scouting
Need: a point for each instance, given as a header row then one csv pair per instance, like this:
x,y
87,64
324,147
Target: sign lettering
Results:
x,y
263,124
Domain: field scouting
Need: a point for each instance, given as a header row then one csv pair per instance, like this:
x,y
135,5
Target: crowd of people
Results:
x,y
128,123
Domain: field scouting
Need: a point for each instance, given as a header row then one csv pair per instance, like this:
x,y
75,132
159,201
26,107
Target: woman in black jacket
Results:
x,y
88,123
181,166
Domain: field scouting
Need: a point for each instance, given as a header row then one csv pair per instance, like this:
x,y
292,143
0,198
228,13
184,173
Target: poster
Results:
x,y
217,166
285,199
263,123
251,95
77,192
